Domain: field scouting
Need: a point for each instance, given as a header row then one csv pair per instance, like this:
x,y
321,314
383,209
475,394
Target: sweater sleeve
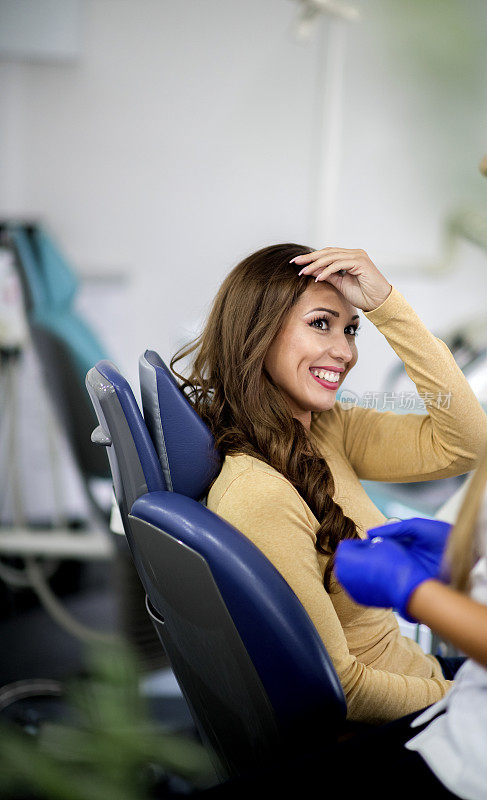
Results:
x,y
271,513
446,441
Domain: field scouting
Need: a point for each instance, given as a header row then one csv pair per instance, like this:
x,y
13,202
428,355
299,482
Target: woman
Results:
x,y
294,457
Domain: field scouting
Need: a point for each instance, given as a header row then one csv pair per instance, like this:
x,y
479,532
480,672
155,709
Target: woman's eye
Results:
x,y
318,321
323,320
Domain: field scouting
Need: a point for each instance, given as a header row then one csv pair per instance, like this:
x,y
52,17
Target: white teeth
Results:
x,y
334,377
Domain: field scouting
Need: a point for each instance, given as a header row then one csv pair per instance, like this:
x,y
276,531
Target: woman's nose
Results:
x,y
340,348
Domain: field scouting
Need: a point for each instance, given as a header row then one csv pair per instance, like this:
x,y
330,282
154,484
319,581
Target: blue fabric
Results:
x,y
83,346
59,280
278,634
51,286
145,449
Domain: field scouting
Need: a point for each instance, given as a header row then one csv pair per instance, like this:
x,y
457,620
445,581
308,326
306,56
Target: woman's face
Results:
x,y
318,334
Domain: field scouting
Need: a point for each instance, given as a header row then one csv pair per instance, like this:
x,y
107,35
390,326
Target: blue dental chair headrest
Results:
x,y
184,444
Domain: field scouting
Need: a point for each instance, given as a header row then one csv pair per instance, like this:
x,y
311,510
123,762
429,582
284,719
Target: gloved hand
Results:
x,y
425,539
379,573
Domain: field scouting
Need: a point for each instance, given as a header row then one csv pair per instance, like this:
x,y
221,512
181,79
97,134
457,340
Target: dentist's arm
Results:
x,y
453,615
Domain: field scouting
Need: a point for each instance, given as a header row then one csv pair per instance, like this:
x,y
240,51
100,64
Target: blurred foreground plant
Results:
x,y
112,750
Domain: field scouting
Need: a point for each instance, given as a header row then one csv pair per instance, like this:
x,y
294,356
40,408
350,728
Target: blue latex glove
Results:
x,y
381,573
425,539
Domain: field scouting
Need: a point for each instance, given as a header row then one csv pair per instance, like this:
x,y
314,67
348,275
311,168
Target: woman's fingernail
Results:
x,y
293,260
300,273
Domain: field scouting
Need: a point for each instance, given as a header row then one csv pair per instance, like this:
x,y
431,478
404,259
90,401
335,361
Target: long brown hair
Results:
x,y
231,390
461,552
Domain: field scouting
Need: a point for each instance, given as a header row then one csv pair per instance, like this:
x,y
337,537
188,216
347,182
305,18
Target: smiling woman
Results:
x,y
252,385
266,368
311,355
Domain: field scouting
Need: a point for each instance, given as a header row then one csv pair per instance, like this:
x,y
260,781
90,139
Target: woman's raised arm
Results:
x,y
398,447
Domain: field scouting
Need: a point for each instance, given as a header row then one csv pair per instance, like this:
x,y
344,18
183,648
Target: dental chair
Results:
x,y
66,348
258,681
64,343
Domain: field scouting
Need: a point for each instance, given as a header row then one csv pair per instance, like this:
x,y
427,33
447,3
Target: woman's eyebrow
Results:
x,y
330,311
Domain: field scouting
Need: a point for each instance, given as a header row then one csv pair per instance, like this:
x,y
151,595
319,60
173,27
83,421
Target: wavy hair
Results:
x,y
233,393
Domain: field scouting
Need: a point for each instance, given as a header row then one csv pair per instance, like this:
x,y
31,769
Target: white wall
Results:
x,y
185,137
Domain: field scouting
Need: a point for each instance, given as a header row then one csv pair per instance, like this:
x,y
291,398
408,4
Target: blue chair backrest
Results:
x,y
249,661
183,442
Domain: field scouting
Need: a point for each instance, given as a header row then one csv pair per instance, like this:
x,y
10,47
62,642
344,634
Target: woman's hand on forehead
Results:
x,y
352,272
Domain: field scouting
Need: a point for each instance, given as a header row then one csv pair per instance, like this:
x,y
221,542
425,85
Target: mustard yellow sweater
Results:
x,y
384,674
